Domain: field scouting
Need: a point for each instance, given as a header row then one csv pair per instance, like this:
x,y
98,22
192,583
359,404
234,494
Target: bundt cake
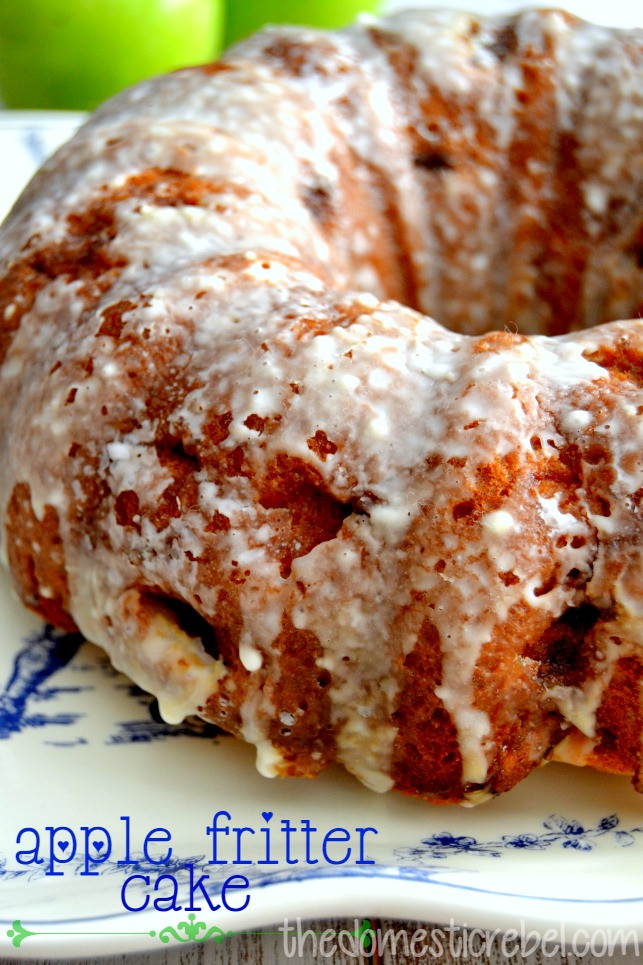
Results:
x,y
235,454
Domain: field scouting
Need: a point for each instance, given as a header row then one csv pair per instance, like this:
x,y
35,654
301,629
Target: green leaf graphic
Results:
x,y
192,927
17,933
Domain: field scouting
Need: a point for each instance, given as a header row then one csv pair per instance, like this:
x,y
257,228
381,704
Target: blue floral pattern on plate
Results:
x,y
559,831
47,651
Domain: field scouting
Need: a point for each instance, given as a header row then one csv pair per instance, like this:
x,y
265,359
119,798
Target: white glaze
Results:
x,y
388,387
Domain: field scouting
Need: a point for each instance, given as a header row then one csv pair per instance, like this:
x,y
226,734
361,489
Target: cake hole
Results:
x,y
321,445
255,423
127,509
464,509
363,504
188,620
595,454
561,650
547,586
505,42
189,459
509,578
432,161
306,513
600,506
317,199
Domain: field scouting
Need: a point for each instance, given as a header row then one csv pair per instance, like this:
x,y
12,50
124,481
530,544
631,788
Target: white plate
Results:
x,y
27,138
80,748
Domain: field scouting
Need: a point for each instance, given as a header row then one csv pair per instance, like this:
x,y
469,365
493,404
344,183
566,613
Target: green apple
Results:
x,y
243,17
74,53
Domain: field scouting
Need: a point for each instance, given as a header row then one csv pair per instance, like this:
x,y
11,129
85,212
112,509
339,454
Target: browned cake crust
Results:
x,y
235,454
